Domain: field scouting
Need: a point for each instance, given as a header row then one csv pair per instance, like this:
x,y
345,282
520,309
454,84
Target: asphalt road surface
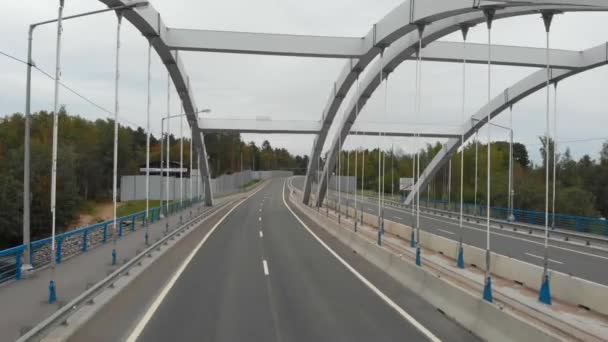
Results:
x,y
581,261
262,276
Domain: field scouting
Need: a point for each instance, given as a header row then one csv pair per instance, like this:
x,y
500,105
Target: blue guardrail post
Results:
x,y
544,295
18,265
460,262
52,293
85,239
487,290
58,250
105,232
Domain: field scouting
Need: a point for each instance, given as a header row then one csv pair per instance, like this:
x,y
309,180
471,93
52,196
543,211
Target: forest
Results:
x,y
581,185
85,161
86,155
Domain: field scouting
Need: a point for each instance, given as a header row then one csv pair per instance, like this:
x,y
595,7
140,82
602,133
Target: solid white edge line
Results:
x,y
266,272
364,280
161,296
446,231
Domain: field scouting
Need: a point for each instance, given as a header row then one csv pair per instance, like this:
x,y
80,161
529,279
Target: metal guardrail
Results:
x,y
78,241
64,312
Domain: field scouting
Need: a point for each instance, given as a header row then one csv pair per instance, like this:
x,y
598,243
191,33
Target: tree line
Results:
x,y
85,162
581,185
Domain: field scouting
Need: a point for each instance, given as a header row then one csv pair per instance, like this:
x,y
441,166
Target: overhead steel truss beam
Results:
x,y
267,126
444,21
344,47
148,21
593,57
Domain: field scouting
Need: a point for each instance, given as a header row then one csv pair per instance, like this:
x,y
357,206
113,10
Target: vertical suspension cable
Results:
x,y
339,178
148,95
347,180
392,170
476,188
362,178
487,295
545,290
464,30
356,152
418,106
327,185
162,164
380,156
384,154
510,189
191,193
555,147
116,110
168,151
181,165
450,185
52,294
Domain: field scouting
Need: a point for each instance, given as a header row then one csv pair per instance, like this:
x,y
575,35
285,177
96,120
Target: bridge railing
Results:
x,y
573,223
78,241
580,224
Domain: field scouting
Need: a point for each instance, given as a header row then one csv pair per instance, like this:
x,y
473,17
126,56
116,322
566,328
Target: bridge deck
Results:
x,y
301,293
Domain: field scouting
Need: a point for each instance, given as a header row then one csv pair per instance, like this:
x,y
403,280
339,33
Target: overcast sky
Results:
x,y
247,86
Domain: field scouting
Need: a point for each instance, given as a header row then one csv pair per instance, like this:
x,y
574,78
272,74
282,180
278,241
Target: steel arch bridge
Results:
x,y
396,38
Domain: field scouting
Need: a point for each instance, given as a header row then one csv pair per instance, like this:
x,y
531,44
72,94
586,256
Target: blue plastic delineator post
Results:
x,y
545,291
418,258
487,290
382,227
460,261
379,238
355,225
146,238
52,293
413,239
113,256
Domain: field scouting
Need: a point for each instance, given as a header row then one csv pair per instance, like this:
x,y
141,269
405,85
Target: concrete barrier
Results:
x,y
570,289
484,319
567,288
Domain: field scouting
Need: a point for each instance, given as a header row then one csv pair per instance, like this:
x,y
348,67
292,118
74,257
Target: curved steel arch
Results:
x,y
592,58
395,55
148,21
